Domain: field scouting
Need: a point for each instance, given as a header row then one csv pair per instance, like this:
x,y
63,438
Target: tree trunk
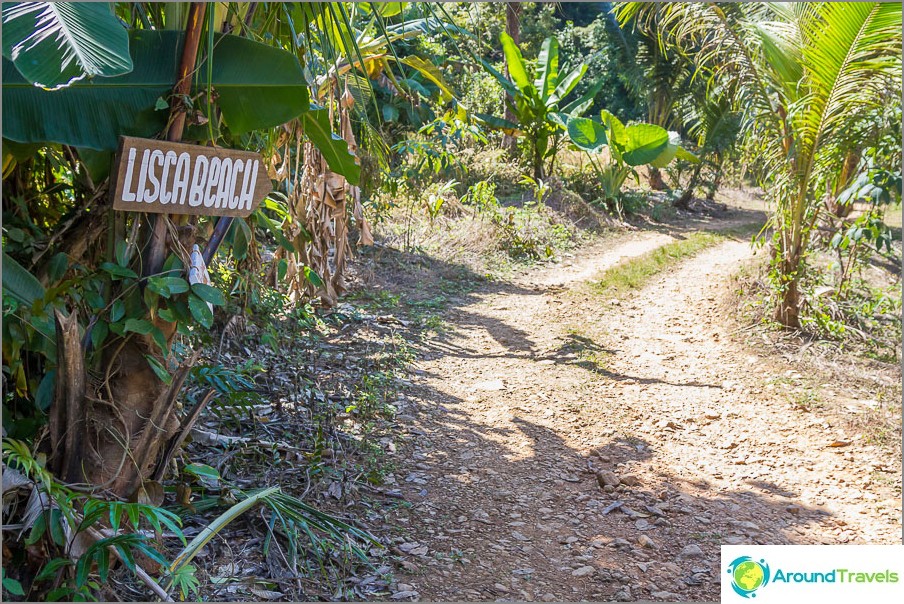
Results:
x,y
656,181
788,310
683,201
108,427
512,28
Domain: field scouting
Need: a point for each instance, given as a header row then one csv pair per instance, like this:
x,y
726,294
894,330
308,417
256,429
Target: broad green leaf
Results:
x,y
209,294
202,471
312,277
159,370
567,84
118,272
94,113
668,152
44,393
645,143
547,67
558,118
19,283
57,267
615,129
582,104
53,44
258,87
587,134
686,155
200,311
139,326
390,113
13,586
316,124
241,236
515,63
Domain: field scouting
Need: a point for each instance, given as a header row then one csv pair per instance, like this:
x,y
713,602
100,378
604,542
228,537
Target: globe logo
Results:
x,y
748,575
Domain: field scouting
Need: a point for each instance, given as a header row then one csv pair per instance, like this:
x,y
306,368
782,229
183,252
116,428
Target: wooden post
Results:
x,y
157,242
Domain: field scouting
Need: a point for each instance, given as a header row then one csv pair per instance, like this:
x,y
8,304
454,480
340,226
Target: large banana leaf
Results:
x,y
582,104
515,62
567,83
547,68
587,134
94,113
53,44
258,87
506,126
316,124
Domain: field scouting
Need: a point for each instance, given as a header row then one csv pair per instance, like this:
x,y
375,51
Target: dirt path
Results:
x,y
538,385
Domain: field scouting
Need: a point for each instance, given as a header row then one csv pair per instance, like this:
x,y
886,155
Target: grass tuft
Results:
x,y
636,272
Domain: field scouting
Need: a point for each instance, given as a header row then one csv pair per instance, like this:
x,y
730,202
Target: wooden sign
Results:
x,y
174,178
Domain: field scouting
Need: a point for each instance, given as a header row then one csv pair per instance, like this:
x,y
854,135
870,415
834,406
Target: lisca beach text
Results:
x,y
175,178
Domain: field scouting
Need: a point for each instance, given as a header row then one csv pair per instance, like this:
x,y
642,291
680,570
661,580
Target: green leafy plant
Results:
x,y
804,75
536,98
636,144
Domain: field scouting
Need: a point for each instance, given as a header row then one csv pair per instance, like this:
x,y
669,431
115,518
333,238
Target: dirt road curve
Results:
x,y
538,386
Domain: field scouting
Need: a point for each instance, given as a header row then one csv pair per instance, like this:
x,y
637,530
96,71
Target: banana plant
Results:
x,y
536,99
636,144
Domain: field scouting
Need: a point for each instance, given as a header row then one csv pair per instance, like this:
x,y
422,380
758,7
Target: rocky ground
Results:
x,y
563,445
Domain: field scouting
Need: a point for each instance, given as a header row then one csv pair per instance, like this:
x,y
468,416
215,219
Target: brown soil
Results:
x,y
537,385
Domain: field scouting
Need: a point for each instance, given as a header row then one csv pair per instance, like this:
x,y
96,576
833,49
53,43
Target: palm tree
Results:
x,y
801,74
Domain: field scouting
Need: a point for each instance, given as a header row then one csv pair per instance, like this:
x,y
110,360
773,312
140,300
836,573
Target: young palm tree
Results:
x,y
801,74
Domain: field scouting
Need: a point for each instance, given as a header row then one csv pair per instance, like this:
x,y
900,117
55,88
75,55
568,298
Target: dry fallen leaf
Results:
x,y
840,443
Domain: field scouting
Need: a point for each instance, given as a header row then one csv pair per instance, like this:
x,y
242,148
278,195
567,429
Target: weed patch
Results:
x,y
635,273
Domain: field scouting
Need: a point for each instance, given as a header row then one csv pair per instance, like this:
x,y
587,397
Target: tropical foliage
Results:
x,y
636,144
803,75
536,98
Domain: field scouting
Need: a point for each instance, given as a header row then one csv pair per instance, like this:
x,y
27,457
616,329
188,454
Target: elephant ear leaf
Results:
x,y
686,155
646,142
617,135
586,134
53,44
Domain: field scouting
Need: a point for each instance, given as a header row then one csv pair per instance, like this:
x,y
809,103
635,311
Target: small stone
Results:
x,y
609,488
793,509
666,595
605,478
631,481
691,551
645,541
404,587
583,571
548,597
500,587
404,595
